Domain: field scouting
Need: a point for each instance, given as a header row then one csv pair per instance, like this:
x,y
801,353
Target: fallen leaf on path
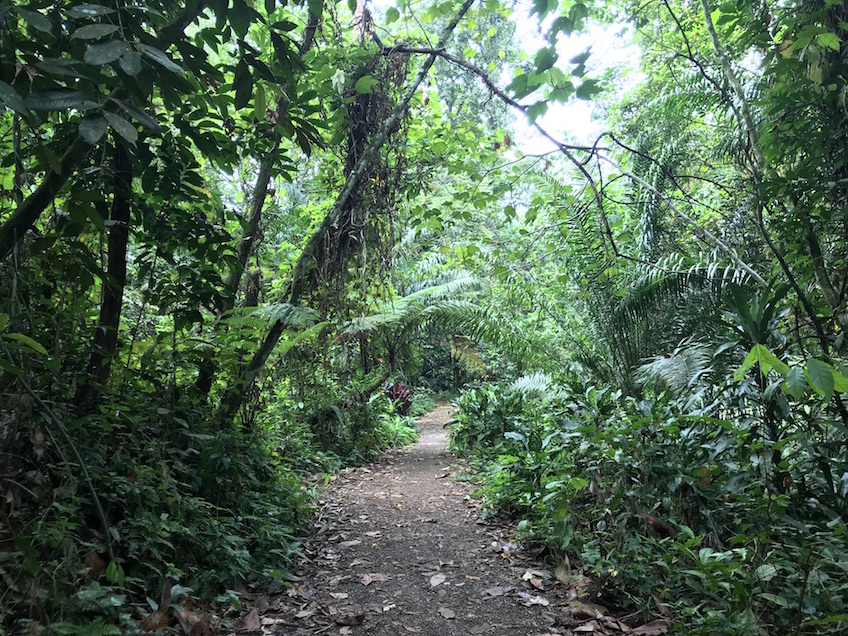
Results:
x,y
497,590
348,544
588,627
562,572
345,631
654,628
412,630
537,583
339,595
155,621
478,629
369,577
375,533
437,579
529,599
305,613
350,619
443,475
447,613
249,622
356,562
472,578
586,610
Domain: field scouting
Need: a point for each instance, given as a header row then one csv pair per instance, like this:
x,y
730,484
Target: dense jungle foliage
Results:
x,y
233,233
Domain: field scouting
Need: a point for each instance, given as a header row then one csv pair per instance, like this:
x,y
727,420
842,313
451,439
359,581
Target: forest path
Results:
x,y
400,549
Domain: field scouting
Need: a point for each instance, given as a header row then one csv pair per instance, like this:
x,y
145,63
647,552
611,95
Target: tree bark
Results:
x,y
300,278
106,335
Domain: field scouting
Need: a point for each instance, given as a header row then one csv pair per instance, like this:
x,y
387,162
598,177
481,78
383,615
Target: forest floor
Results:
x,y
400,548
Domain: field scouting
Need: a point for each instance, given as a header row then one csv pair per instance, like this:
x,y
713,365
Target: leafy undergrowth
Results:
x,y
191,510
670,514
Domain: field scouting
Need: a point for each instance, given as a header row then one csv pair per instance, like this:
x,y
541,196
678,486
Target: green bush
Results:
x,y
662,507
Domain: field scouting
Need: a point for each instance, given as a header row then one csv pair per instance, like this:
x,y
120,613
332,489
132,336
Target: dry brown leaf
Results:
x,y
530,599
250,622
654,628
350,619
537,583
155,621
586,610
369,577
187,618
587,627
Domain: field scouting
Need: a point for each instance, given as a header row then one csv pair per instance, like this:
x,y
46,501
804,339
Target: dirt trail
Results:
x,y
400,549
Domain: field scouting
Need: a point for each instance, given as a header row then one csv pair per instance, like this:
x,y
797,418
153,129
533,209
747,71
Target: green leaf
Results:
x,y
545,59
766,359
140,116
316,7
840,382
4,320
259,104
536,110
588,89
242,84
88,11
115,573
829,40
121,126
795,383
820,377
562,24
94,31
26,340
130,63
10,98
104,52
392,15
364,84
163,60
54,100
777,600
92,129
36,20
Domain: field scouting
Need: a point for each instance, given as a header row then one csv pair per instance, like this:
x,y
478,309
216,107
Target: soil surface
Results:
x,y
400,548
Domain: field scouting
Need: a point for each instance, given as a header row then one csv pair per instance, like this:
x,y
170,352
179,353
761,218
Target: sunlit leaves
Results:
x,y
545,59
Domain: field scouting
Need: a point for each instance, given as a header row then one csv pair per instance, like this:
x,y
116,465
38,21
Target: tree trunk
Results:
x,y
106,336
